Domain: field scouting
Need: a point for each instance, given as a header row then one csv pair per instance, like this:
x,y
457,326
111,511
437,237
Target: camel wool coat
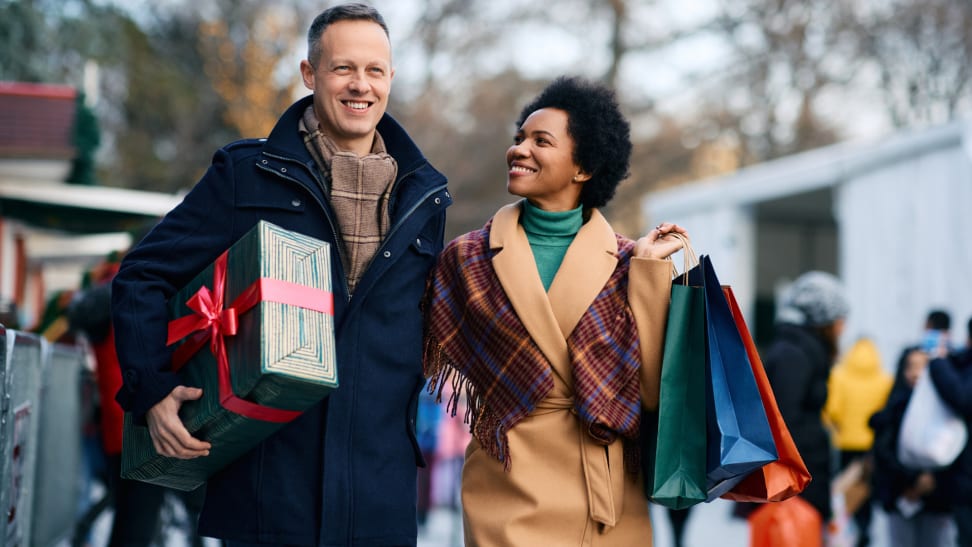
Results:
x,y
563,488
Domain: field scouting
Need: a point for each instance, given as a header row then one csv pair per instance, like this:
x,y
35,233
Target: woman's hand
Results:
x,y
658,243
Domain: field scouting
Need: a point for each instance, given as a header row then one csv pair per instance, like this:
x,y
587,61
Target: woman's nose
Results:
x,y
517,151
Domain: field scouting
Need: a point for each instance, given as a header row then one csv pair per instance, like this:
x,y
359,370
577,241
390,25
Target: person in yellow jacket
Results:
x,y
857,388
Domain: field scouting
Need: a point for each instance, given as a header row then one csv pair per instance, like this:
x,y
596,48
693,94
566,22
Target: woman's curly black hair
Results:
x,y
602,136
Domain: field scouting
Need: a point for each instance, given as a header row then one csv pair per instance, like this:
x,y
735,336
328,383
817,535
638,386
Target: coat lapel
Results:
x,y
587,267
517,272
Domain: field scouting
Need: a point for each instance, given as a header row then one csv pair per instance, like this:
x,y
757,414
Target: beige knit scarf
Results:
x,y
359,188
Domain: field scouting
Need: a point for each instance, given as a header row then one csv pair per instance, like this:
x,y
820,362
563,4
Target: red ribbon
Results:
x,y
212,322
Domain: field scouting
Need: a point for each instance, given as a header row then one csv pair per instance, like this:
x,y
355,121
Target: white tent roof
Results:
x,y
90,197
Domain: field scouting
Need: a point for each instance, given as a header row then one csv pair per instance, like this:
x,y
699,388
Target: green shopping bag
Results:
x,y
679,476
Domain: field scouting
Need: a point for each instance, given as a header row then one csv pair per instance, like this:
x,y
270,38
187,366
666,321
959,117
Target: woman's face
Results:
x,y
541,162
915,363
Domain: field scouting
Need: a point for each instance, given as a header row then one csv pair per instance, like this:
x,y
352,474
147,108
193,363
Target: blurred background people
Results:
x,y
426,434
915,501
678,519
857,388
809,320
936,339
968,335
450,451
952,377
136,505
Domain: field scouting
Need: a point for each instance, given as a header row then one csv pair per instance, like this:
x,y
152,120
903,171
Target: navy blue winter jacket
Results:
x,y
797,365
344,472
953,380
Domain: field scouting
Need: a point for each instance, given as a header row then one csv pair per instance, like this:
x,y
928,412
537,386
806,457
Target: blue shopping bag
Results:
x,y
738,435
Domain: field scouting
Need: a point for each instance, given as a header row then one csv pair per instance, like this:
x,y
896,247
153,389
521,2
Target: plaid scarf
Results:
x,y
359,190
474,336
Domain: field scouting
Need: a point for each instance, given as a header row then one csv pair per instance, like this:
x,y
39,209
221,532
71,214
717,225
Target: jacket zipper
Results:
x,y
418,203
327,215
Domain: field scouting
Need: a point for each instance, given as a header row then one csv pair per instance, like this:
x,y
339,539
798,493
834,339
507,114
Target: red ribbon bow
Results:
x,y
212,322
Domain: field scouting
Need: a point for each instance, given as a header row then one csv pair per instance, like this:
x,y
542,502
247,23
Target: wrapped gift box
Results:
x,y
276,295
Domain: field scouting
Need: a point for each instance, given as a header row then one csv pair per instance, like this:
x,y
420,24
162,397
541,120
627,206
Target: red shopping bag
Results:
x,y
790,523
787,476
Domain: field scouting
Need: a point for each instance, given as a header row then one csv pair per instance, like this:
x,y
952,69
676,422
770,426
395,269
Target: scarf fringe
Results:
x,y
483,424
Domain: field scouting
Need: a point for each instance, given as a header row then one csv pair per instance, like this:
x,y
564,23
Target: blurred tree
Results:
x,y
725,84
781,60
923,55
165,119
243,46
87,137
22,30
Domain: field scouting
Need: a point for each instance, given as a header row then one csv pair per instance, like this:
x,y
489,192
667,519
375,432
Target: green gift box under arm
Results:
x,y
256,332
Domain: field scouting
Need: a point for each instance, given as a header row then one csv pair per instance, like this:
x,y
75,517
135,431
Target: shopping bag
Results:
x,y
932,435
648,448
679,465
788,475
739,439
793,523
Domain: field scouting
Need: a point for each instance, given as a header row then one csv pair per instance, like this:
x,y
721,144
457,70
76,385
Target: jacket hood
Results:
x,y
862,358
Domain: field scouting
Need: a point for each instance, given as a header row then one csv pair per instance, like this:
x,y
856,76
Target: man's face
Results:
x,y
351,82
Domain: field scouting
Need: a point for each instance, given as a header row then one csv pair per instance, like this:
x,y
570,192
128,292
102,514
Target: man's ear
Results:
x,y
307,74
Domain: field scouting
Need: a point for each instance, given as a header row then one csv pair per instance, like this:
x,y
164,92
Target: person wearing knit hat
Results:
x,y
815,299
810,318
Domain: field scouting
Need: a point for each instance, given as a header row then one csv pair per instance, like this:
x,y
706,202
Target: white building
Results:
x,y
891,219
51,232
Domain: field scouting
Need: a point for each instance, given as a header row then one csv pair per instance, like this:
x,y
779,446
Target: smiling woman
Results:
x,y
553,324
541,162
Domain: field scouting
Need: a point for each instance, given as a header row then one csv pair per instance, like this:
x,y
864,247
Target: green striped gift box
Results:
x,y
282,357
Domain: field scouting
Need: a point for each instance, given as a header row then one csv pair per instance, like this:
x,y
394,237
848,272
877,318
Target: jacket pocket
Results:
x,y
424,246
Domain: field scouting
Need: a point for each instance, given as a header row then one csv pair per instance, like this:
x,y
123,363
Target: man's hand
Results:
x,y
169,436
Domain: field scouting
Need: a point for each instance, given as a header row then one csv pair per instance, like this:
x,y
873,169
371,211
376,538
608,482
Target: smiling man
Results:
x,y
338,168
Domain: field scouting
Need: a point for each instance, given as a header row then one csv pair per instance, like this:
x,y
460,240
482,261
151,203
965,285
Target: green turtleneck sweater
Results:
x,y
549,234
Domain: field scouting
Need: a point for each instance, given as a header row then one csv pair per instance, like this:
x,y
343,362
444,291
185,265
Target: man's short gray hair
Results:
x,y
343,12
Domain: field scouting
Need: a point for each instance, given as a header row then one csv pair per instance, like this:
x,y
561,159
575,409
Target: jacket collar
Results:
x,y
587,266
285,140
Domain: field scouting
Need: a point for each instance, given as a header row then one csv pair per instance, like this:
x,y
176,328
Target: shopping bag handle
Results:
x,y
689,258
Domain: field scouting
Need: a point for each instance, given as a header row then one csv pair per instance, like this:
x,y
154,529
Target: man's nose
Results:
x,y
358,84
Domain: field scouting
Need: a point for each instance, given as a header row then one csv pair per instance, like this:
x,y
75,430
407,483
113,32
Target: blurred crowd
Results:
x,y
847,414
